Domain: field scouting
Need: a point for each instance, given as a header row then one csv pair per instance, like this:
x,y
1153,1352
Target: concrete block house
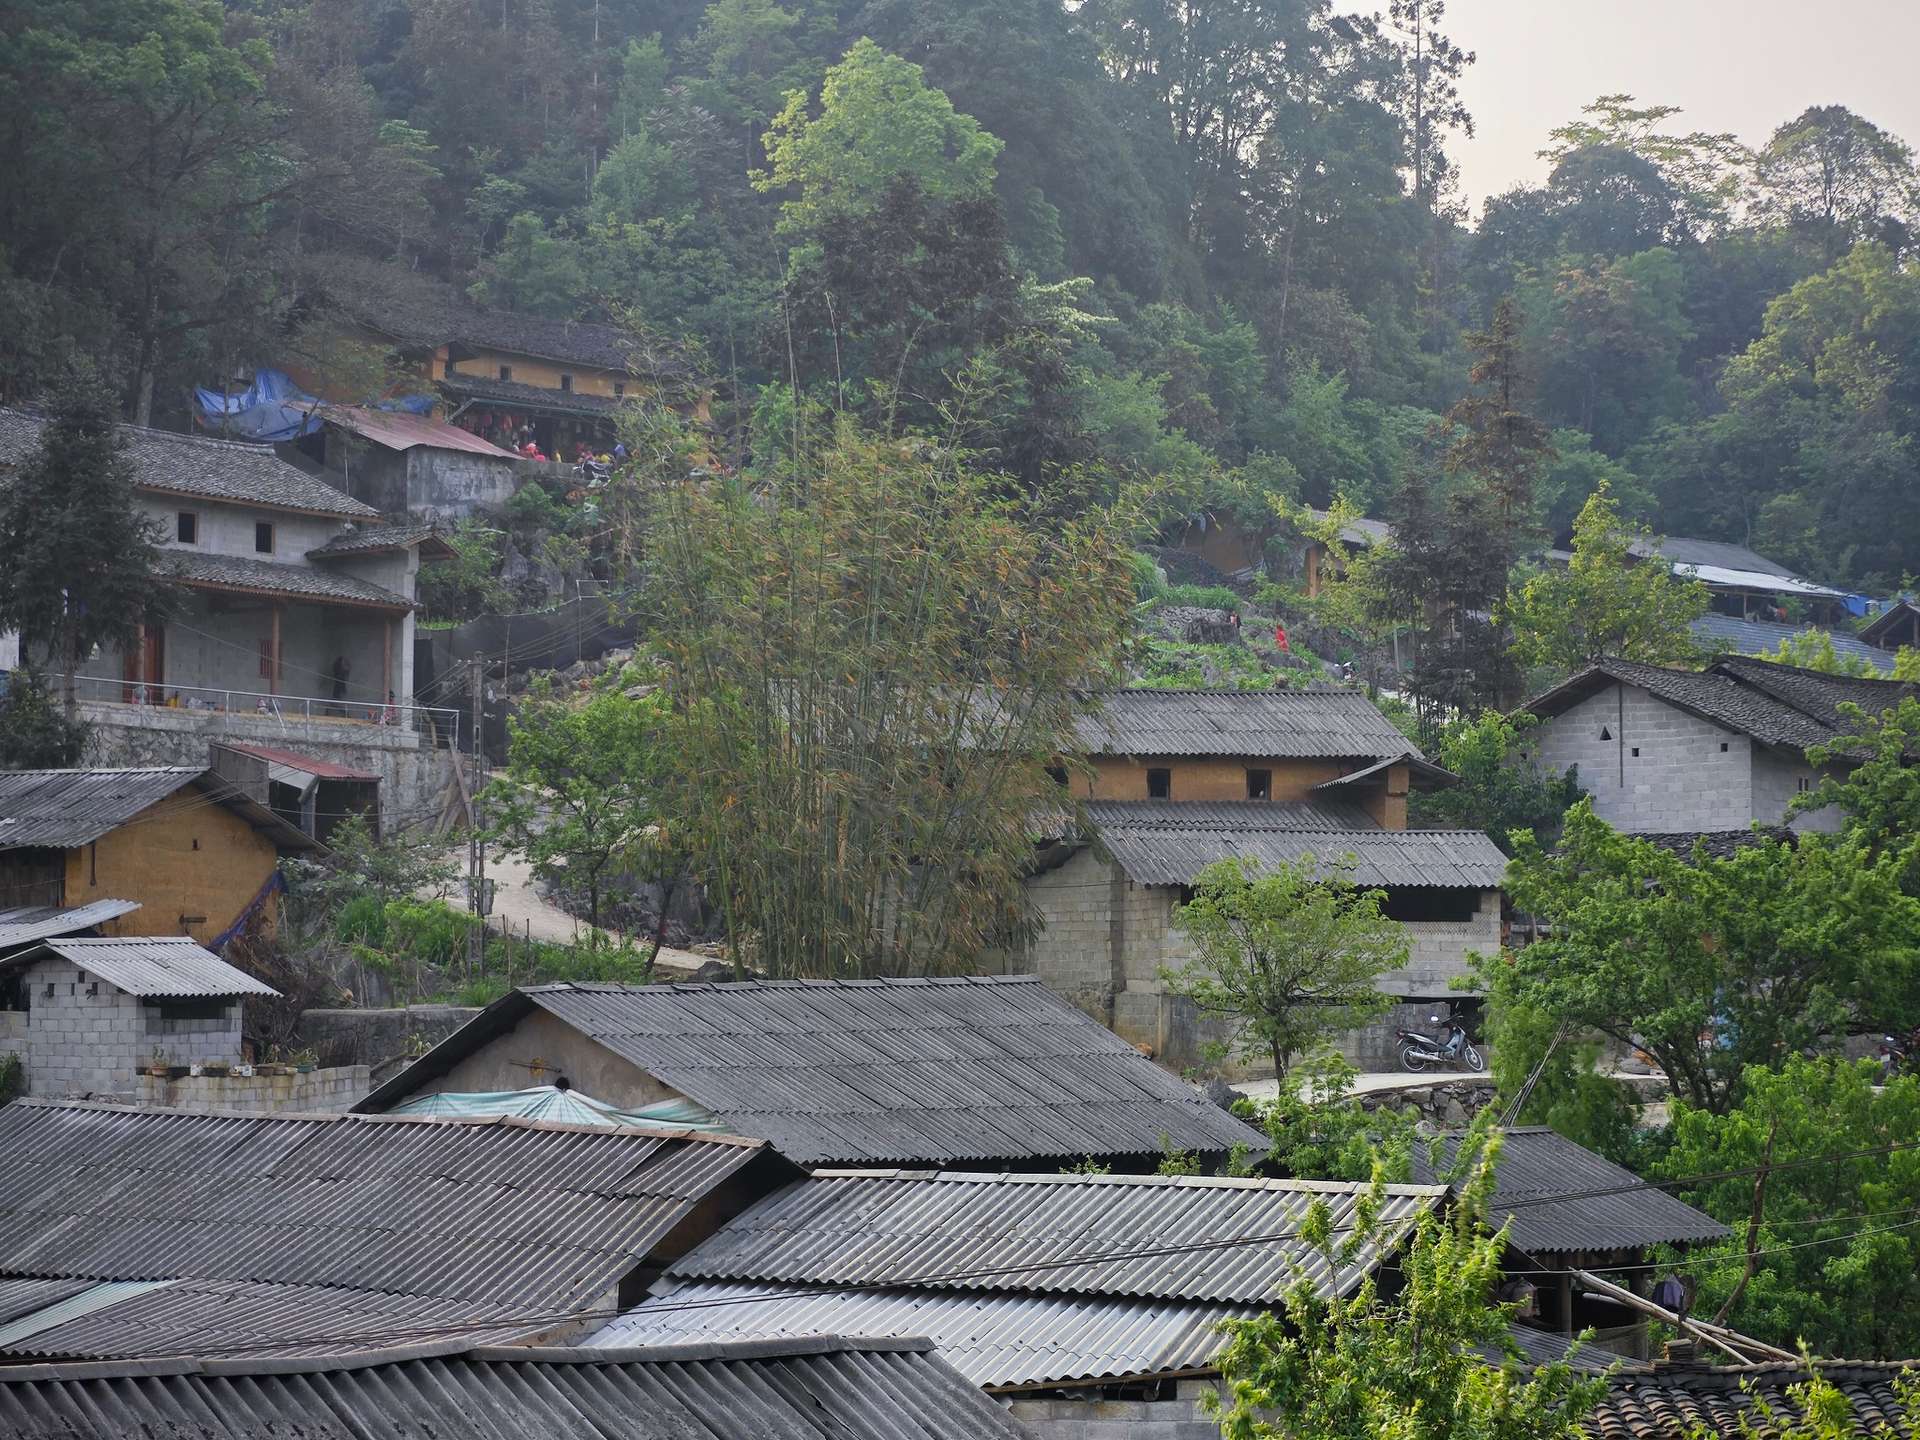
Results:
x,y
413,464
1180,779
1698,752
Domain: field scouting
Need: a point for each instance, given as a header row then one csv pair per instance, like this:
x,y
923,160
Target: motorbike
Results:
x,y
1418,1049
1895,1058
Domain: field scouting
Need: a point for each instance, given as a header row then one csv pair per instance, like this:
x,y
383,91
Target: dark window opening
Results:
x,y
1259,784
619,389
205,1007
566,383
186,528
506,372
1159,784
1058,775
1605,734
1636,752
1723,747
446,367
1427,902
263,537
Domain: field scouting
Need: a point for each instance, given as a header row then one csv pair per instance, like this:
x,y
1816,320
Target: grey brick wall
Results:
x,y
76,1043
1071,950
1688,775
1776,780
1093,1418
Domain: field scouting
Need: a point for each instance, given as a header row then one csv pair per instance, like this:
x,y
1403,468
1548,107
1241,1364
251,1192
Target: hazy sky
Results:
x,y
1736,65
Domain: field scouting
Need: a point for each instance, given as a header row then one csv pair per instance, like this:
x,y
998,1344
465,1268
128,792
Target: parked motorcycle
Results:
x,y
1418,1049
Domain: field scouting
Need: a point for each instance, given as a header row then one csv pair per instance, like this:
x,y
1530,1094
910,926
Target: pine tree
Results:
x,y
85,567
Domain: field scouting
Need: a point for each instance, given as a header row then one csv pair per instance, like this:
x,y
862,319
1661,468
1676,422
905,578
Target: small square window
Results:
x,y
1636,752
1259,784
619,389
506,372
1159,784
263,537
1723,747
566,383
186,528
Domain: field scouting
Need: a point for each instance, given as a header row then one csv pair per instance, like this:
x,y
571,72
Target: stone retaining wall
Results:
x,y
1180,1418
330,1090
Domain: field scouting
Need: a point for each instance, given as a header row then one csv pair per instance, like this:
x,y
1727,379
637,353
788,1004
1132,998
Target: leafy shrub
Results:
x,y
1203,597
362,920
1148,582
431,931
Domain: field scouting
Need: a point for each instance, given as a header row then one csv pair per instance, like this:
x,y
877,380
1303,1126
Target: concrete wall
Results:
x,y
448,484
1090,1417
229,529
376,1039
1688,774
1777,779
1103,941
412,775
541,1049
543,373
192,866
329,1091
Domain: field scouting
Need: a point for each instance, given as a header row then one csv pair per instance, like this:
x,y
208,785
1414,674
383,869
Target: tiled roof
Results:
x,y
931,1071
1726,635
1718,844
534,397
63,809
1696,1402
1265,724
227,470
1160,842
169,966
833,1389
1896,615
322,1225
1535,1162
1817,696
1020,1279
304,582
1710,695
371,539
436,315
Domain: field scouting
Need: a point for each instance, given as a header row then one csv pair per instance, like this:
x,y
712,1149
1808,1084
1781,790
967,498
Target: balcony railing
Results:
x,y
439,725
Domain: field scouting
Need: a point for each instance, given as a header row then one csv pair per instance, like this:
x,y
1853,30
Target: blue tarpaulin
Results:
x,y
269,410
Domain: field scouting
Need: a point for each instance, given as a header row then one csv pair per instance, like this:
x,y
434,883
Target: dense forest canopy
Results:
x,y
1219,244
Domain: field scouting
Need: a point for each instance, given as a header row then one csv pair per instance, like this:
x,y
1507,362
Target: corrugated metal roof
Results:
x,y
1680,550
1142,1236
63,809
798,1390
863,1071
399,430
306,764
233,572
1159,842
1536,1162
179,464
992,1339
40,922
1262,724
76,1307
520,1219
158,965
1728,634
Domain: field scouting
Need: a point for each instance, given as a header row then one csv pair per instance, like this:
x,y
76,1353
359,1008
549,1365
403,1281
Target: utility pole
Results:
x,y
476,844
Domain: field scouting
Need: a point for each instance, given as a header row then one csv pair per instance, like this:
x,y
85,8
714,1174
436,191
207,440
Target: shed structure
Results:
x,y
935,1072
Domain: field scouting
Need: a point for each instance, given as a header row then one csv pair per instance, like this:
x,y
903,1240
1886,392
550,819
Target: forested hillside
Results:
x,y
1218,244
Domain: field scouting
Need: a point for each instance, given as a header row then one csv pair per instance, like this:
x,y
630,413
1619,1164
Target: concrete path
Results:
x,y
1369,1081
518,902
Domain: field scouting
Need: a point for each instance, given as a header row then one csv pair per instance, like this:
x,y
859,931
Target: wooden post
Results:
x,y
273,664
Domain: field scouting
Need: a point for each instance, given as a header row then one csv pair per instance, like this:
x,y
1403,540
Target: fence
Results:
x,y
439,724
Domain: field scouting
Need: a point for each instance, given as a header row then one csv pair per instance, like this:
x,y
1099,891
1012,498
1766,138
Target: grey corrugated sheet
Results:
x,y
526,1219
158,965
1725,634
196,465
797,1390
42,922
1142,1236
66,808
21,1295
306,582
932,1070
1679,550
992,1339
1159,842
75,1308
1536,1162
1331,724
1543,1347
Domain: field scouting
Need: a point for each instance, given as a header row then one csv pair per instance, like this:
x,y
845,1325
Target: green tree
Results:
x,y
1361,1366
87,569
1569,1095
586,789
1709,964
35,734
1606,603
1833,1262
1320,1131
1868,776
1839,180
878,120
1501,788
1814,650
1702,171
873,651
1286,956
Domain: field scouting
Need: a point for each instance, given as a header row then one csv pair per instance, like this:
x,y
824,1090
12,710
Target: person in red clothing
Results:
x,y
1280,636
